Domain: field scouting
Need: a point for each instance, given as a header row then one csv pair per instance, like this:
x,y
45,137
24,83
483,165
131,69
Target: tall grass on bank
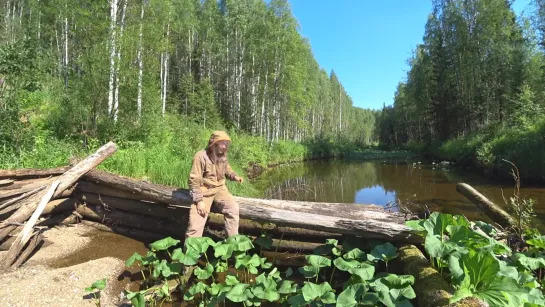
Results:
x,y
522,144
164,152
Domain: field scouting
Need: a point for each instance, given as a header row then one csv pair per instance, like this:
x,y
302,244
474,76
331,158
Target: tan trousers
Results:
x,y
226,205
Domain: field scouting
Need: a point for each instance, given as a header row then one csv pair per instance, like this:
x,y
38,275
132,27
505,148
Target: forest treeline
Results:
x,y
112,69
157,76
475,90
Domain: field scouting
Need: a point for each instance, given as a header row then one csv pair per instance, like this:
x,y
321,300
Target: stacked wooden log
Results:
x,y
149,211
26,201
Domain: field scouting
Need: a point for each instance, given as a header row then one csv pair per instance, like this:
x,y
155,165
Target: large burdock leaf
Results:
x,y
344,265
231,280
191,257
318,261
151,258
384,252
240,243
137,298
309,271
538,242
355,254
238,293
199,244
266,289
364,271
204,273
323,291
135,257
200,287
482,279
97,285
265,241
357,295
437,248
223,251
164,244
395,290
530,263
437,223
287,286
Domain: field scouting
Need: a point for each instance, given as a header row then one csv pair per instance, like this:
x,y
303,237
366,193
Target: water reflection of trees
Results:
x,y
418,186
339,181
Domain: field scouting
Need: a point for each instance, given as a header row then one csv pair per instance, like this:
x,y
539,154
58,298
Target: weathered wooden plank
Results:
x,y
150,191
32,172
27,231
176,214
171,195
132,220
356,220
6,182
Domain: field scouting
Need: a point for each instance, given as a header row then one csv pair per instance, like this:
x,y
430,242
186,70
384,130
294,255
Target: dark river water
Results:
x,y
419,186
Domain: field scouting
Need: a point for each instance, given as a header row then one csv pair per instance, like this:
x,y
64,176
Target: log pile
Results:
x,y
30,200
33,199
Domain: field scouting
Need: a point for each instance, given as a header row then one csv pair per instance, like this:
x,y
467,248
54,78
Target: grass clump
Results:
x,y
522,144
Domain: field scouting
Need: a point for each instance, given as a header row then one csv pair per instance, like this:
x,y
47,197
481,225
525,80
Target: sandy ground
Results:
x,y
43,282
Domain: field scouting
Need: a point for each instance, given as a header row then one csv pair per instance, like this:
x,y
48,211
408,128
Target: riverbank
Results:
x,y
166,159
486,151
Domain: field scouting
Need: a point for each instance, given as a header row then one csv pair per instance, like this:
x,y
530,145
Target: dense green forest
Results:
x,y
159,75
475,91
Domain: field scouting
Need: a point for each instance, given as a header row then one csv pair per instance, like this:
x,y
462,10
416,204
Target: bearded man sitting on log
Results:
x,y
207,185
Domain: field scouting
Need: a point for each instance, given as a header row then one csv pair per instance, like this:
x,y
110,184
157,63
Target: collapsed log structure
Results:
x,y
149,211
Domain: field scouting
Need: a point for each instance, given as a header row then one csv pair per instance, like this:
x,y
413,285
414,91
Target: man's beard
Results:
x,y
216,156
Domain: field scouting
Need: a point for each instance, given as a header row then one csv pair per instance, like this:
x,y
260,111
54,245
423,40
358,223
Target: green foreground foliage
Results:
x,y
470,256
233,271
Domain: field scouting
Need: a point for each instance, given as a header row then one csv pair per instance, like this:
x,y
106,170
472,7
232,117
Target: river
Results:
x,y
419,186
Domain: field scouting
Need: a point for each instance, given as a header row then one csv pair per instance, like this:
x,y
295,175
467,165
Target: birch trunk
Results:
x,y
164,68
262,122
118,63
39,21
113,33
140,62
66,51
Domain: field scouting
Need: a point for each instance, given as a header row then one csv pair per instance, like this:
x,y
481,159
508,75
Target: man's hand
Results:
x,y
201,209
239,179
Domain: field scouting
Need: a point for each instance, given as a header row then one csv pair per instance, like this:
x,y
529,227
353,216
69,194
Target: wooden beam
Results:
x,y
357,220
32,172
27,231
66,180
176,214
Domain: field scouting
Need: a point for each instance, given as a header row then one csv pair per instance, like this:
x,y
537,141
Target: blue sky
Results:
x,y
366,42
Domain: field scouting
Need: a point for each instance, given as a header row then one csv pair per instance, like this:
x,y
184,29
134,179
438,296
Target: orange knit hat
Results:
x,y
218,136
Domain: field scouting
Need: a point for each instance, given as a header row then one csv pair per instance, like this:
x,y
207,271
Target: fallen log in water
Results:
x,y
356,220
493,211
